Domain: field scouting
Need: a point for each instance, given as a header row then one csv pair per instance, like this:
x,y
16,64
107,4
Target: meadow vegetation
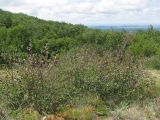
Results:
x,y
53,71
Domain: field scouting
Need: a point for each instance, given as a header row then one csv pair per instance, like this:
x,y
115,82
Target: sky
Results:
x,y
89,12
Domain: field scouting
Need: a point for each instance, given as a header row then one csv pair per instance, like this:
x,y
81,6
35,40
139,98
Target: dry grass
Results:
x,y
8,73
3,73
136,112
147,111
155,74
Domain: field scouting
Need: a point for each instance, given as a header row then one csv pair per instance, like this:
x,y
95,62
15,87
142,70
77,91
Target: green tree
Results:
x,y
5,20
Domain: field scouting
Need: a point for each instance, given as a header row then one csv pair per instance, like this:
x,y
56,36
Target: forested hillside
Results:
x,y
19,31
59,71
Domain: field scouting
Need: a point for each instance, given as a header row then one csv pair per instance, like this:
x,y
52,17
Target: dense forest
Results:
x,y
72,71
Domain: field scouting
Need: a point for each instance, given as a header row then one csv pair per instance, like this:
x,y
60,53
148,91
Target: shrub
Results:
x,y
49,85
37,87
154,62
114,40
111,79
144,47
107,76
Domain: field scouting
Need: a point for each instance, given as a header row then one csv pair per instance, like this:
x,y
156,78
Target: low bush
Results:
x,y
49,85
154,62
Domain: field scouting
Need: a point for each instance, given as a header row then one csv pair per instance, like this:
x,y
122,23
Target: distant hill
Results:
x,y
125,27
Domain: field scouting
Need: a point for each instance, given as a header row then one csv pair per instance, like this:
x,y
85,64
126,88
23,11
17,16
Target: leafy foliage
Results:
x,y
48,86
17,31
52,64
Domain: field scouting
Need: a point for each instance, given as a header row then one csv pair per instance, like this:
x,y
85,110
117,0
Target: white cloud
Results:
x,y
89,11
